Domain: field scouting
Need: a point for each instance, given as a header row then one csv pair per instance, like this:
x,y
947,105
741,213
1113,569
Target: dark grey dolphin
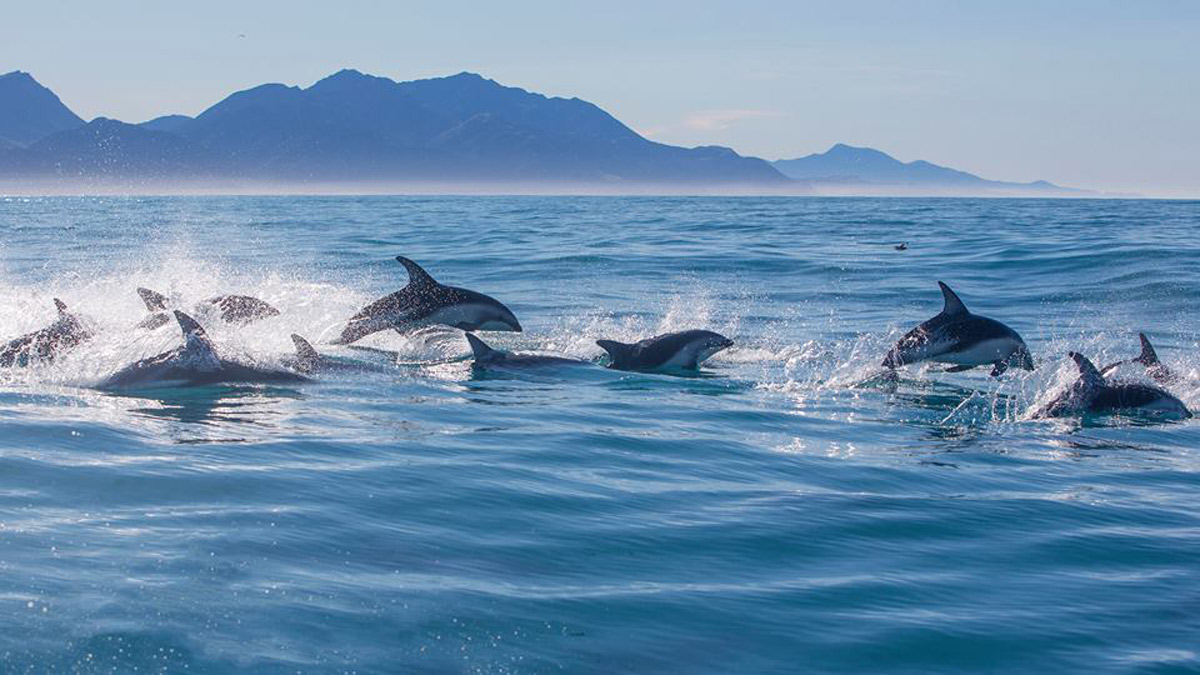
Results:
x,y
685,350
236,309
66,333
486,357
425,302
1157,371
961,338
1093,393
308,360
195,363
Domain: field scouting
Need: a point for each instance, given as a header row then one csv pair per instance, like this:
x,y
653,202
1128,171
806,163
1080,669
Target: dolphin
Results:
x,y
308,360
235,309
685,350
66,333
1093,393
1157,371
486,357
961,338
195,363
425,302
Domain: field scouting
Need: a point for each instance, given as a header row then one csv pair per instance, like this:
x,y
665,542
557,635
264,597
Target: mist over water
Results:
x,y
789,509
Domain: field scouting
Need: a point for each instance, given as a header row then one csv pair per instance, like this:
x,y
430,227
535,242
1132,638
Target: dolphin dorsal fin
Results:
x,y
480,349
155,302
198,349
60,306
617,351
305,353
1091,378
953,304
1148,357
417,276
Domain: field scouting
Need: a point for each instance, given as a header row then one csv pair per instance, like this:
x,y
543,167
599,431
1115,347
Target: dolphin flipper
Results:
x,y
959,369
617,351
60,306
306,356
198,350
1088,373
155,302
417,276
953,304
481,351
1148,357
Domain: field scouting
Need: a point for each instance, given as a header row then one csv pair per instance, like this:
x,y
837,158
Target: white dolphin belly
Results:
x,y
980,353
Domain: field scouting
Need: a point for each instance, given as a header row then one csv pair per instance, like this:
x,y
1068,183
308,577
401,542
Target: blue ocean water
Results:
x,y
787,511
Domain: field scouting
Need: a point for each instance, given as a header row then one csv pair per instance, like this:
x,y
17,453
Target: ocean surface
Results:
x,y
788,510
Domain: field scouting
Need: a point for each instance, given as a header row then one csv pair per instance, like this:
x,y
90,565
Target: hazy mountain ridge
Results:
x,y
860,170
355,127
352,128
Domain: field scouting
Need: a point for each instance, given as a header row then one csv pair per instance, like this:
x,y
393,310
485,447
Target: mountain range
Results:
x,y
862,170
355,129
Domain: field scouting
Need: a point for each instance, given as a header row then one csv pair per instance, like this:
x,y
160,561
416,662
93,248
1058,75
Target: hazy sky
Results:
x,y
1100,94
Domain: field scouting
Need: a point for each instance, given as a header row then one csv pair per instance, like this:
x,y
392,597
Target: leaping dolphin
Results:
x,y
1093,393
195,363
1156,369
486,357
66,333
425,302
685,350
958,337
236,309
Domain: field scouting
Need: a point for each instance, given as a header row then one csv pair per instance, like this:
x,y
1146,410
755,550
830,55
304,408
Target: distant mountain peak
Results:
x,y
848,165
29,111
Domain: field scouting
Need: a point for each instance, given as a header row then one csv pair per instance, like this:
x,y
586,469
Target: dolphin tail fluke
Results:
x,y
306,355
953,304
155,302
1148,357
480,350
617,351
417,276
60,306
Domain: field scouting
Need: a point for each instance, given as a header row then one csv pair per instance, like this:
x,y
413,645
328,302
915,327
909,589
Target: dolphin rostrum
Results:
x,y
1093,393
1157,370
425,302
195,363
486,357
236,309
684,350
66,333
958,337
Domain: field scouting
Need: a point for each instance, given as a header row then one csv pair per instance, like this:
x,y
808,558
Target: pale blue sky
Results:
x,y
1099,94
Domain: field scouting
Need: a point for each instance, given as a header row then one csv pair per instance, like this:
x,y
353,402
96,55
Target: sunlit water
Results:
x,y
787,511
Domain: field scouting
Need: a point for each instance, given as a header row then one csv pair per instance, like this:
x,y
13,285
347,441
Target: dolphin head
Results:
x,y
710,344
493,316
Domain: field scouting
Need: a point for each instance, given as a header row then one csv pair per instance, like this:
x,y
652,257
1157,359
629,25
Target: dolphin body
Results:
x,y
196,363
236,309
66,333
308,361
958,337
425,302
681,351
488,358
1156,369
1093,393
